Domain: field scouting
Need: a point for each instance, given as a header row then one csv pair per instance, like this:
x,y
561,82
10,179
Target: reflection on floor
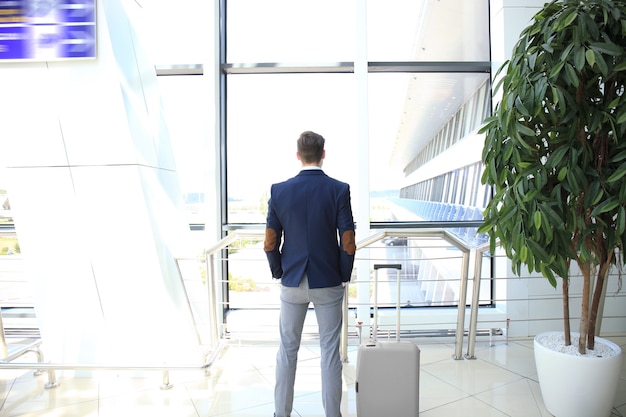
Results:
x,y
500,382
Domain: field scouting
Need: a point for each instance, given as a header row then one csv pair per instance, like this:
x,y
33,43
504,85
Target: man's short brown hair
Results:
x,y
310,147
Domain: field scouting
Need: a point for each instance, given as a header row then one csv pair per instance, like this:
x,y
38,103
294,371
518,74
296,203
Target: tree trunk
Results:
x,y
603,271
585,268
566,324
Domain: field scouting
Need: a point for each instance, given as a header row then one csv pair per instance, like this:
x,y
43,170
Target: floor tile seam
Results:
x,y
491,406
47,408
38,389
4,400
506,346
460,389
238,410
131,391
227,371
504,384
540,406
496,364
524,343
304,394
6,413
266,379
540,409
263,368
309,363
174,381
466,396
249,345
189,394
438,361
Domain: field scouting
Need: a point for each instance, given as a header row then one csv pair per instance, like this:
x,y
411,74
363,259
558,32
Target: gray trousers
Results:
x,y
294,303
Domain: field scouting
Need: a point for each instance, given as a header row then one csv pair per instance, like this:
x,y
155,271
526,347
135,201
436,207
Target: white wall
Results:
x,y
96,202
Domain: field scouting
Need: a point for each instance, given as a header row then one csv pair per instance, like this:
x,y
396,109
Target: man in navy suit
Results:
x,y
312,215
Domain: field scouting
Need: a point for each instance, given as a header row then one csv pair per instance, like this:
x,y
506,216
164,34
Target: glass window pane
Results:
x,y
411,119
175,32
189,118
265,116
290,31
443,30
427,265
250,282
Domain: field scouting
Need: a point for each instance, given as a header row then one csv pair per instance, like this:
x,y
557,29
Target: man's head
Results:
x,y
311,148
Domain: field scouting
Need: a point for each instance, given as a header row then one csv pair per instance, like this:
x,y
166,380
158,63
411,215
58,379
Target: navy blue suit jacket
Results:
x,y
310,212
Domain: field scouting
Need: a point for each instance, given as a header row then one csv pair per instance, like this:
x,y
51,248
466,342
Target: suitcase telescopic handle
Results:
x,y
397,267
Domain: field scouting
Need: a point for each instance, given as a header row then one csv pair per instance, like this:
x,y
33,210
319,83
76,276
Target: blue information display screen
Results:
x,y
46,30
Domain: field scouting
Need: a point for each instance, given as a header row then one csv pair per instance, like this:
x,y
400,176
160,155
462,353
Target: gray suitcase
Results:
x,y
387,372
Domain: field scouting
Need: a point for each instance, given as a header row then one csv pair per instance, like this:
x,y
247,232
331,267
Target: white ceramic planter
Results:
x,y
577,386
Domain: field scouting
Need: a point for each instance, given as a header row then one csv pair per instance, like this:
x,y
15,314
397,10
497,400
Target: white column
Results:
x,y
363,160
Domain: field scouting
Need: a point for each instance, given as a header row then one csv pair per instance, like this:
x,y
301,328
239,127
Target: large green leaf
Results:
x,y
618,174
537,219
608,48
590,57
556,157
605,206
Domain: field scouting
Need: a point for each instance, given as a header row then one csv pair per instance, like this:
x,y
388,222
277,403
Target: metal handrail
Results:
x,y
208,358
213,308
211,279
446,236
51,368
368,241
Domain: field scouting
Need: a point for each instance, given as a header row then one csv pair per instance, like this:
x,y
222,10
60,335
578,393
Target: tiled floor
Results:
x,y
500,382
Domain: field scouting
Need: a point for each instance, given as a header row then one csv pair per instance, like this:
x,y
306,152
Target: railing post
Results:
x,y
460,321
3,344
213,328
473,325
478,267
166,380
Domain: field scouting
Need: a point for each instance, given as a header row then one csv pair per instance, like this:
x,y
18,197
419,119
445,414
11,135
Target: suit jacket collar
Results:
x,y
311,172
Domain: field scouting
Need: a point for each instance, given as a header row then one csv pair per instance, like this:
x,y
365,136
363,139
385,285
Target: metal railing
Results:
x,y
4,352
463,278
9,353
215,308
51,368
473,323
438,233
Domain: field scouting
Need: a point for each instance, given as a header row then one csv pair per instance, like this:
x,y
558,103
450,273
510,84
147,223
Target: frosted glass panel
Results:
x,y
442,30
290,31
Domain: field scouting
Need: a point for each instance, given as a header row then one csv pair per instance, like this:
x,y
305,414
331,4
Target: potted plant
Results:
x,y
555,154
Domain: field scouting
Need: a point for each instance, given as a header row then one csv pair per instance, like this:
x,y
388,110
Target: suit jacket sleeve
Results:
x,y
347,246
273,235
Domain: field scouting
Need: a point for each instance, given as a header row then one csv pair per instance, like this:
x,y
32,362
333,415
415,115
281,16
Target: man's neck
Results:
x,y
312,164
